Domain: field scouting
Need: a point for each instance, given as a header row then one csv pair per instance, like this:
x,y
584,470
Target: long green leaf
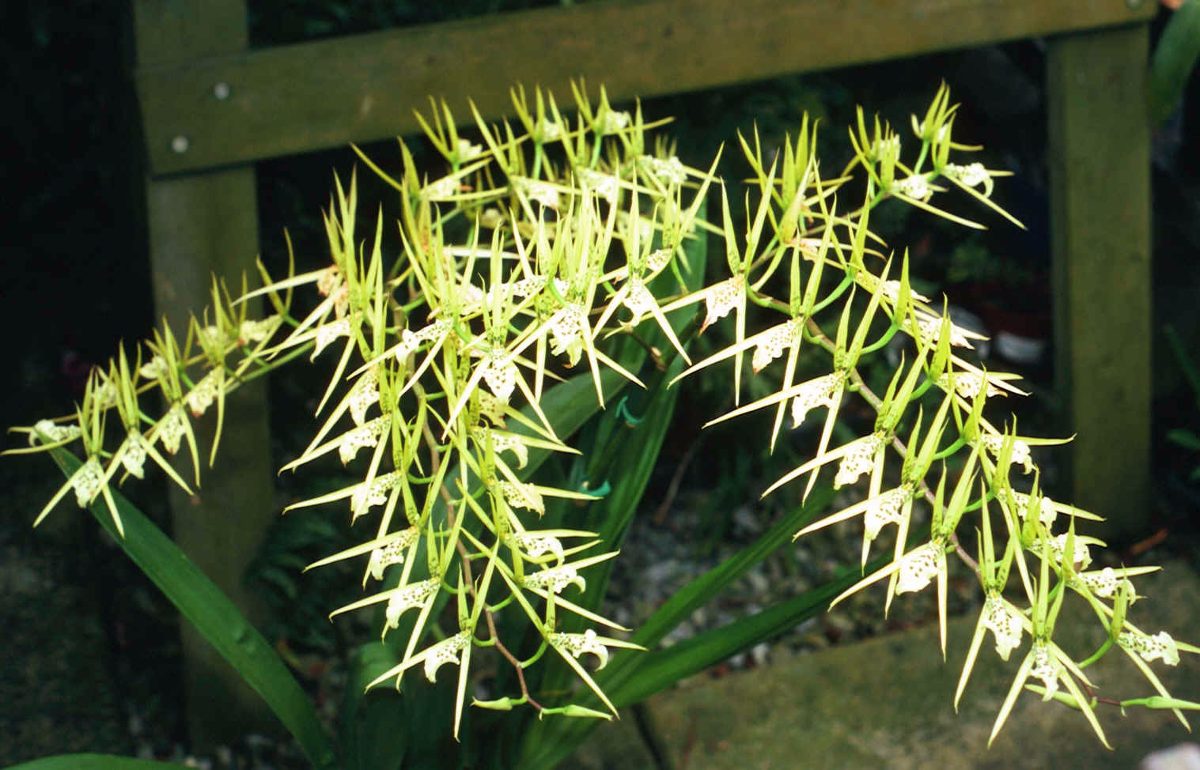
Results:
x,y
92,762
1185,362
382,730
1174,59
371,734
215,617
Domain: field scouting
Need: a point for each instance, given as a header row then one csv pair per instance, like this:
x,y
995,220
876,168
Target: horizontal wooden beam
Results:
x,y
292,99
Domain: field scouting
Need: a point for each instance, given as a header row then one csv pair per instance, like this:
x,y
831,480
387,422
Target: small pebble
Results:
x,y
1185,756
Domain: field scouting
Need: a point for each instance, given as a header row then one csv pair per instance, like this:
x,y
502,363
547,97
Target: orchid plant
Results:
x,y
559,242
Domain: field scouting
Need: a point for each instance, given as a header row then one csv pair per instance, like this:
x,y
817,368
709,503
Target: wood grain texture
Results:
x,y
1100,179
298,98
199,225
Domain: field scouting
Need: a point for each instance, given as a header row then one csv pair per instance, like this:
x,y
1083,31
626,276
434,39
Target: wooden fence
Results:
x,y
211,107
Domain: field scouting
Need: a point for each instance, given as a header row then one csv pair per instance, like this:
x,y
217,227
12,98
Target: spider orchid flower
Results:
x,y
1007,626
571,647
909,573
1047,663
454,650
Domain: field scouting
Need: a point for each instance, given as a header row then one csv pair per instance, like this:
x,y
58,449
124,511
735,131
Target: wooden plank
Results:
x,y
299,98
1100,183
198,225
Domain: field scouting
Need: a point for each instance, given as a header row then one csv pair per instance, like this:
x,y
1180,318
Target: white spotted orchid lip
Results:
x,y
133,455
887,145
604,185
259,331
970,175
153,369
556,579
87,482
363,395
537,190
613,121
658,259
822,391
201,397
669,171
56,433
104,394
442,189
929,329
491,407
576,645
1103,584
886,508
549,130
891,290
368,496
994,442
859,459
510,442
410,340
1151,648
568,328
915,187
172,428
361,437
446,651
536,544
407,598
1003,622
329,281
1058,544
774,342
471,296
500,375
721,299
391,553
638,299
520,495
527,287
919,567
1047,513
967,384
408,344
466,150
1045,668
212,336
327,333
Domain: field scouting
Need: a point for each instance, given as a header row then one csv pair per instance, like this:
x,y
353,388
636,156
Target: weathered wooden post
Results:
x,y
1100,215
199,224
